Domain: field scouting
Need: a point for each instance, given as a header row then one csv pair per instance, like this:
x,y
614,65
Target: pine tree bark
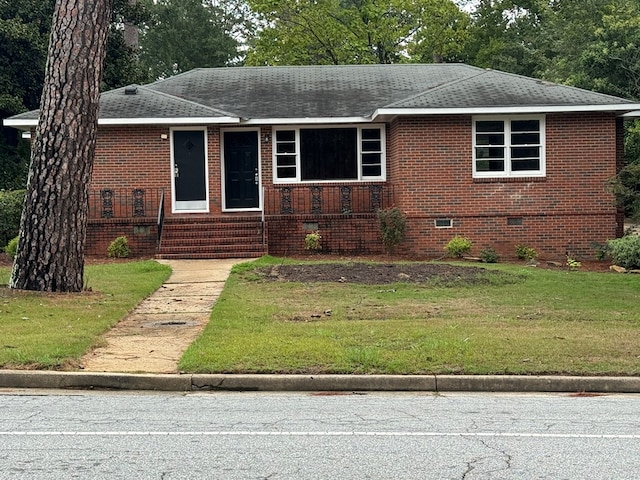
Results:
x,y
50,254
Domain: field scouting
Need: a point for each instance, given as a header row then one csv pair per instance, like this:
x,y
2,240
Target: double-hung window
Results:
x,y
509,147
311,154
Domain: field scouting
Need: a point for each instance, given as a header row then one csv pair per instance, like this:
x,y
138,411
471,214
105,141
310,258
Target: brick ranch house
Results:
x,y
227,162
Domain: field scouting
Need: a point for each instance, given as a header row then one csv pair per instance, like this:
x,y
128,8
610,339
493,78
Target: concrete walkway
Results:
x,y
154,336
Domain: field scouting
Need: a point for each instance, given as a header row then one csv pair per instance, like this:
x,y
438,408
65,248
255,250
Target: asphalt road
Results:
x,y
104,435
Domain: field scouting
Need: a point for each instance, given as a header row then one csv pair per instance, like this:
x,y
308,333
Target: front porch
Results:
x,y
345,215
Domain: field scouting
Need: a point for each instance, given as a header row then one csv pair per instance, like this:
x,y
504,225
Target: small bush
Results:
x,y
573,264
119,248
489,255
458,246
313,241
12,248
625,251
526,253
10,211
392,222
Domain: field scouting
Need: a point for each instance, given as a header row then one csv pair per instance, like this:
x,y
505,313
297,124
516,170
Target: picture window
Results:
x,y
308,154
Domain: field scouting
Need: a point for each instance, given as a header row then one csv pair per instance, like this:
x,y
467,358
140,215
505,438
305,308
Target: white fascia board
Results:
x,y
168,121
28,123
625,107
306,120
20,123
632,114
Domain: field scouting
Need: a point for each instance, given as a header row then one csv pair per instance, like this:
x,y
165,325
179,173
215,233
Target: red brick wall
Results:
x,y
430,165
354,234
141,235
144,157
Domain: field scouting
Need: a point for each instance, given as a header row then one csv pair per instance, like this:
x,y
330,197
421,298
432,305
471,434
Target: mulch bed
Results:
x,y
381,273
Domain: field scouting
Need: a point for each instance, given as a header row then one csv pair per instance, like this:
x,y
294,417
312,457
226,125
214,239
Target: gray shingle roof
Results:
x,y
491,88
226,95
149,103
308,91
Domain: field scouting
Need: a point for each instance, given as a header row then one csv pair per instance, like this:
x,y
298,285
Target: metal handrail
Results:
x,y
160,218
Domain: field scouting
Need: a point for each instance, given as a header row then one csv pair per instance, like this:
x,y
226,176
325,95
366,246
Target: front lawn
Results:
x,y
53,330
524,321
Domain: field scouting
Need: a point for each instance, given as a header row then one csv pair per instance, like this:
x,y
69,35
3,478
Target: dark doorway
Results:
x,y
241,170
189,170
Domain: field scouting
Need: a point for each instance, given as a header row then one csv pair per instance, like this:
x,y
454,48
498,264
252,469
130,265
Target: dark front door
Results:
x,y
189,171
241,170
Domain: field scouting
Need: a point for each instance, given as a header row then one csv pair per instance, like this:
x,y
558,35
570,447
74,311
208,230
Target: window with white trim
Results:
x,y
312,154
509,147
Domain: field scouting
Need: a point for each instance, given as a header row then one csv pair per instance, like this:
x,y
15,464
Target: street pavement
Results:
x,y
228,435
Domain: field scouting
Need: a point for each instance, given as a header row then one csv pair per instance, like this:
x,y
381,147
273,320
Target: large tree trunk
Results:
x,y
50,254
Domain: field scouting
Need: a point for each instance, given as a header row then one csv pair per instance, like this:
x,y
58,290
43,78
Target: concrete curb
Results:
x,y
302,383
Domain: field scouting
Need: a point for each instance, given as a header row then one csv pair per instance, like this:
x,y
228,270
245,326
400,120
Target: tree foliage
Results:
x,y
591,44
24,33
25,27
186,34
355,32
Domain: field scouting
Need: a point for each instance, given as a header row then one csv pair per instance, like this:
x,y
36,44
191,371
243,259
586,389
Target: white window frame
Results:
x,y
507,172
359,141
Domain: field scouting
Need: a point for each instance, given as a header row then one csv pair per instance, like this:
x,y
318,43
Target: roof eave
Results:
x,y
306,120
20,124
26,124
626,108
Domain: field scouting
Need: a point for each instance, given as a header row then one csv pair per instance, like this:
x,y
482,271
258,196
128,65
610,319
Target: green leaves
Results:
x,y
185,34
356,32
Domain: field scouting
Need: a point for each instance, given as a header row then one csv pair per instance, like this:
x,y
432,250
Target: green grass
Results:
x,y
546,322
52,331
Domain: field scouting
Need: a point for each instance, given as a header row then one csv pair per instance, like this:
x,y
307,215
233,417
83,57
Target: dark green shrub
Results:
x,y
602,250
625,251
11,202
12,248
489,255
119,248
626,187
458,246
392,222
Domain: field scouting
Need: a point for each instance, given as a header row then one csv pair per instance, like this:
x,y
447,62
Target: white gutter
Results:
x,y
625,107
382,112
31,122
169,121
19,123
305,120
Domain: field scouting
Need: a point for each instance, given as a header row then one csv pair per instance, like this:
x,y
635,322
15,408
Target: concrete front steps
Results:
x,y
207,238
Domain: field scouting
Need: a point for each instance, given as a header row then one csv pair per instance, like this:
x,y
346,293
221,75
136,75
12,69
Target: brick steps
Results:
x,y
222,237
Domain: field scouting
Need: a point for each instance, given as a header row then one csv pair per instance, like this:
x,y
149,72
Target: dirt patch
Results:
x,y
385,273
